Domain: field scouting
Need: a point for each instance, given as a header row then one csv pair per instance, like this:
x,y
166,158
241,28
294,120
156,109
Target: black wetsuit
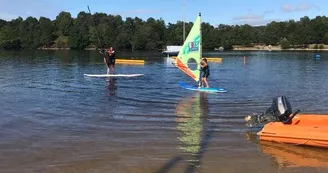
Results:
x,y
110,59
205,71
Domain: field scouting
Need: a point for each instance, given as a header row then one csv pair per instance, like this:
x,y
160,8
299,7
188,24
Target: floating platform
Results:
x,y
130,61
214,59
209,59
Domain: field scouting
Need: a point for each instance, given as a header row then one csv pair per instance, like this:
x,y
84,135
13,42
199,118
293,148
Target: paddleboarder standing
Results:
x,y
109,58
111,54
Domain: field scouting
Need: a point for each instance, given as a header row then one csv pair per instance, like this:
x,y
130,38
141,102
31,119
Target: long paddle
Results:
x,y
101,46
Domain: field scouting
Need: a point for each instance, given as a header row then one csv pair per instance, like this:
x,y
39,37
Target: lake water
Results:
x,y
55,120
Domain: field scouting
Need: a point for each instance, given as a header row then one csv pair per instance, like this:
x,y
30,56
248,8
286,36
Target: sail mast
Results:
x,y
184,22
200,31
200,44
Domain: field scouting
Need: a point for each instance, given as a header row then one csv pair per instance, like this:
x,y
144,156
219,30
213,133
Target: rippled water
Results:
x,y
53,119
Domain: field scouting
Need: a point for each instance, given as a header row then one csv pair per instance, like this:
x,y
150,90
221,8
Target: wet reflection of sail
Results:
x,y
190,117
286,155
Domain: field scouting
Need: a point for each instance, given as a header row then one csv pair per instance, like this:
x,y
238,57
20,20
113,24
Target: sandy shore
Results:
x,y
278,48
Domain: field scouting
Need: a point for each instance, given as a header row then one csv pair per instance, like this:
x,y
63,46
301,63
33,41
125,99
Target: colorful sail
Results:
x,y
190,52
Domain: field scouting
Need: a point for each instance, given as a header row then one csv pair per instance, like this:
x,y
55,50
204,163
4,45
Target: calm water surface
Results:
x,y
55,120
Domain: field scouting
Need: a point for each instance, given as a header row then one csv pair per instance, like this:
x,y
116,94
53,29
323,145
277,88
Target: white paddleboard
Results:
x,y
113,75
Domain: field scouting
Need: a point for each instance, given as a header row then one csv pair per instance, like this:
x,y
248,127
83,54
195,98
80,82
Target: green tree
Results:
x,y
46,31
124,38
112,30
271,34
64,23
9,34
79,35
8,39
291,26
139,40
29,33
174,34
2,23
284,43
95,37
102,30
304,32
319,28
325,40
208,39
225,36
61,42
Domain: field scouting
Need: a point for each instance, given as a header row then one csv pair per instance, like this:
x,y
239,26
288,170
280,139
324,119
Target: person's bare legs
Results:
x,y
113,67
202,84
206,83
108,70
106,65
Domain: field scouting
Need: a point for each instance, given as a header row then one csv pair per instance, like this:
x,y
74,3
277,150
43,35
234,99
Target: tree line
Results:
x,y
102,30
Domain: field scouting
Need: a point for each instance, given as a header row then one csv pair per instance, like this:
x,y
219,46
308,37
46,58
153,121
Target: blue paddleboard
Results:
x,y
210,90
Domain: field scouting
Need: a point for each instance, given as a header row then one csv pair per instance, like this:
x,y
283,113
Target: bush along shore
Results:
x,y
88,31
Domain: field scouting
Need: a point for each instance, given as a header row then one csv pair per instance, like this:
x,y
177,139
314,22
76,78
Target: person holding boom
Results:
x,y
204,72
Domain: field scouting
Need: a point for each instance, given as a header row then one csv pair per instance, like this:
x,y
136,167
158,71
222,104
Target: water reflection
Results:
x,y
168,62
288,155
189,123
192,113
111,85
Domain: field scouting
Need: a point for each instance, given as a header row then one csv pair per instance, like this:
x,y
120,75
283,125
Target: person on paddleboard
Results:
x,y
111,54
109,58
204,71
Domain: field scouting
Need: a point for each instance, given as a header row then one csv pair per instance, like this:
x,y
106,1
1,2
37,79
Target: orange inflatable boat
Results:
x,y
302,129
280,124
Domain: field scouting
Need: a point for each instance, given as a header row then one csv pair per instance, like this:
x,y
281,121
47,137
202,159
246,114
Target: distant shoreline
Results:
x,y
235,48
292,49
277,48
57,48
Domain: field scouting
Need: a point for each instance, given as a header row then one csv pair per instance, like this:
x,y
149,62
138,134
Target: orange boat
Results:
x,y
281,125
302,129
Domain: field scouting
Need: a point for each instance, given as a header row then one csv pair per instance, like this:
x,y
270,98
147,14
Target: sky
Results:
x,y
215,12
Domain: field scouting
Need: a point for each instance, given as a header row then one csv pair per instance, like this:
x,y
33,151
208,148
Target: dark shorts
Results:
x,y
111,62
204,74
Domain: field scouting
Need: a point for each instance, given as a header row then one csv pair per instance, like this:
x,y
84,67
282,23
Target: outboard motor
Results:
x,y
280,111
281,108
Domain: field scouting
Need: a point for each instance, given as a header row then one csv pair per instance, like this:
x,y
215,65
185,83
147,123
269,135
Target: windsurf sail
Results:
x,y
191,52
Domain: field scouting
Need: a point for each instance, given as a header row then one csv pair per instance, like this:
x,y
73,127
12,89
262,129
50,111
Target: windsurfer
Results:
x,y
204,72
